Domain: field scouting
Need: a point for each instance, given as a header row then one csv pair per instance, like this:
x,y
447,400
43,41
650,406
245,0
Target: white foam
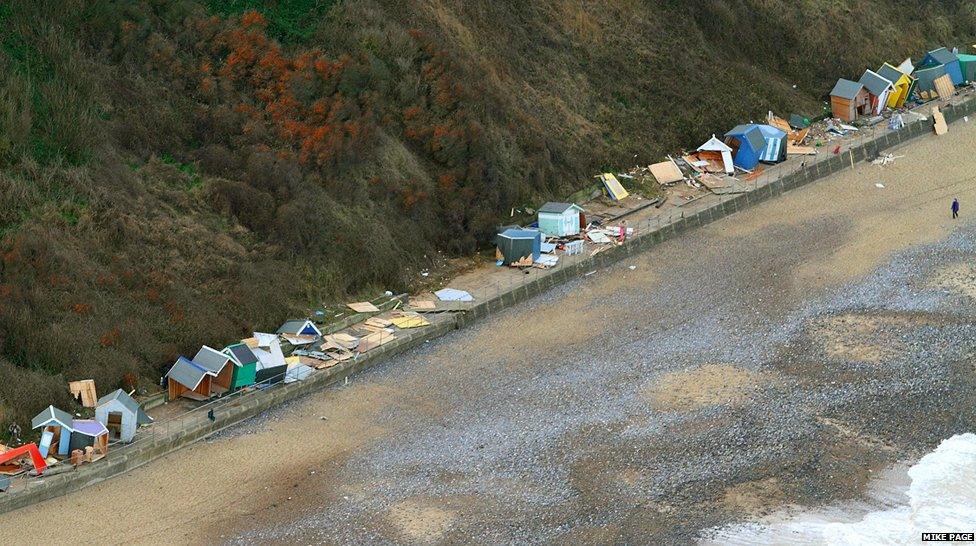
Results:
x,y
940,498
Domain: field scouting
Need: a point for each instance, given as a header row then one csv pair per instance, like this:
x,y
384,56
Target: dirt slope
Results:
x,y
177,173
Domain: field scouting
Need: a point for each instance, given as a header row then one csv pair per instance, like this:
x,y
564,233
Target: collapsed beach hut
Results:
x,y
187,379
560,219
121,415
56,430
747,144
516,244
967,64
271,365
946,58
218,364
925,77
879,89
775,147
716,150
245,365
300,328
90,433
849,99
903,85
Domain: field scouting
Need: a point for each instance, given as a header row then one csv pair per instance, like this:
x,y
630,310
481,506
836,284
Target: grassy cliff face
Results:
x,y
179,172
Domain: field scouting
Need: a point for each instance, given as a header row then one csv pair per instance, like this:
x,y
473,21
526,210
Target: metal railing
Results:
x,y
863,145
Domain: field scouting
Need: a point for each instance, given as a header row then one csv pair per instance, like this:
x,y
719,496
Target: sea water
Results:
x,y
937,495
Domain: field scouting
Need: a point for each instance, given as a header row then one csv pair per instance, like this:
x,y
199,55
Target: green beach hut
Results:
x,y
968,65
245,365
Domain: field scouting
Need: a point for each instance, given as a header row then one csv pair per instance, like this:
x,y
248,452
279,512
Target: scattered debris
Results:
x,y
939,122
451,294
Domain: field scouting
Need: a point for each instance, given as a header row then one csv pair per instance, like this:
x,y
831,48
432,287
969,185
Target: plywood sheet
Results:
x,y
666,172
939,122
363,307
374,340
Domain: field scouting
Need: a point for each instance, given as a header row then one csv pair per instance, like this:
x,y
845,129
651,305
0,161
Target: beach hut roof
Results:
x,y
942,55
187,373
50,414
558,208
714,145
241,354
750,133
88,427
846,89
875,83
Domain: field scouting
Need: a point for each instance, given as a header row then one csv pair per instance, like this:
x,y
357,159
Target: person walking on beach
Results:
x,y
955,208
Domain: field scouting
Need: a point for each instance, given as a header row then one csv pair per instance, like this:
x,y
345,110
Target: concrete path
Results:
x,y
776,356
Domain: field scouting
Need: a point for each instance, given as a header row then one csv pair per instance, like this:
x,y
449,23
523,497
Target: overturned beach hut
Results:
x,y
515,244
747,144
560,219
849,99
121,415
903,85
879,89
946,58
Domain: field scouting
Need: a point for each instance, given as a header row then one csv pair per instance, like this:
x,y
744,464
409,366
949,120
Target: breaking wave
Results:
x,y
941,497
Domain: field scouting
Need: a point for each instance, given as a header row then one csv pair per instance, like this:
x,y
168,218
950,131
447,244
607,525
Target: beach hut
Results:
x,y
271,365
879,89
560,219
747,144
775,148
849,99
515,244
121,415
218,364
967,64
187,379
57,424
245,365
300,327
925,77
903,84
715,149
946,58
89,433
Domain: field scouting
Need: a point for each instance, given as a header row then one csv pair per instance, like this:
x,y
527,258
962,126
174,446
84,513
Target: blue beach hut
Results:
x,y
747,143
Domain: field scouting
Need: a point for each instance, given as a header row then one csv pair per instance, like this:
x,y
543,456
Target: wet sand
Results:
x,y
781,355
